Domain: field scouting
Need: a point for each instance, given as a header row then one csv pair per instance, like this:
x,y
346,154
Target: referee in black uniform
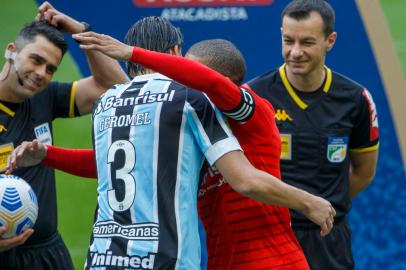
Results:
x,y
328,125
29,103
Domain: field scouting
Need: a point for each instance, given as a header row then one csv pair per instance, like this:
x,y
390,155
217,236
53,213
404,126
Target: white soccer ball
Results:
x,y
18,205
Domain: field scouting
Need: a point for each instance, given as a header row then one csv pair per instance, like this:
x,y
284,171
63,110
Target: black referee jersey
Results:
x,y
32,119
318,130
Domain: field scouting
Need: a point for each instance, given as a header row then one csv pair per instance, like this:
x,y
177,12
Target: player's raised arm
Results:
x,y
221,90
105,72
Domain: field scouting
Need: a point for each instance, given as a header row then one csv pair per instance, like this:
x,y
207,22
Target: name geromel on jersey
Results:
x,y
124,121
146,98
122,261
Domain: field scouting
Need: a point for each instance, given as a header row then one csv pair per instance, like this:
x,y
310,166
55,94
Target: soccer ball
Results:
x,y
18,205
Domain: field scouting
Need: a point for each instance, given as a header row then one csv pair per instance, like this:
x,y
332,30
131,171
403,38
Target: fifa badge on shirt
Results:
x,y
5,152
337,149
43,133
286,149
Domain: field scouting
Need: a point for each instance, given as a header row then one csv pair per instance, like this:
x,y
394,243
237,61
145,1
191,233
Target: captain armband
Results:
x,y
243,111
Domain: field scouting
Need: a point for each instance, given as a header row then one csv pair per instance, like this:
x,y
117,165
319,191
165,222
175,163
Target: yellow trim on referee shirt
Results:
x,y
289,88
72,99
366,149
6,109
292,92
329,79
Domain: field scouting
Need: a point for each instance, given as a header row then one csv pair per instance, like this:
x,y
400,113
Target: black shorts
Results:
x,y
330,252
50,255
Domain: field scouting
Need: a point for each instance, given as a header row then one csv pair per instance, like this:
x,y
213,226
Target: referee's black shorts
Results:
x,y
332,252
50,255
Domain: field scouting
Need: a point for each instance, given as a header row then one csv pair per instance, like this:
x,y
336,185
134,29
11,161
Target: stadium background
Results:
x,y
379,213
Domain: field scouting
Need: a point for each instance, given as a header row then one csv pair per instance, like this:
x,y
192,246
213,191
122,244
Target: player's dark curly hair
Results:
x,y
152,33
301,9
31,30
222,56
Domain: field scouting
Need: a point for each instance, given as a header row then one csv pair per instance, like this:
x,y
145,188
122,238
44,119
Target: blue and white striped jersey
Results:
x,y
151,137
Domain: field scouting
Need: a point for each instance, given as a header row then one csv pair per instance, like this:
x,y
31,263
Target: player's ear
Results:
x,y
10,52
331,40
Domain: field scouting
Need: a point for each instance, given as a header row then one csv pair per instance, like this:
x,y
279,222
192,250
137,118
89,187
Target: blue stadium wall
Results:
x,y
379,213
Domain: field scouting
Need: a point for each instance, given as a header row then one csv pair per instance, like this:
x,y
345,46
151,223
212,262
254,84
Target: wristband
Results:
x,y
87,26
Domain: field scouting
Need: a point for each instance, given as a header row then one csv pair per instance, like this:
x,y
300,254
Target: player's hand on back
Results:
x,y
105,44
8,243
25,155
58,19
321,212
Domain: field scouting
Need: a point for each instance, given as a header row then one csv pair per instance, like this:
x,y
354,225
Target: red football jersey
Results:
x,y
243,233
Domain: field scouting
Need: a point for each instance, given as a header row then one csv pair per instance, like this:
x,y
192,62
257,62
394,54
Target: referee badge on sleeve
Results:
x,y
337,149
43,133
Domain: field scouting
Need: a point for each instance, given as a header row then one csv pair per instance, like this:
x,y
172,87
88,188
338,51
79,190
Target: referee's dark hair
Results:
x,y
222,56
152,33
31,30
301,9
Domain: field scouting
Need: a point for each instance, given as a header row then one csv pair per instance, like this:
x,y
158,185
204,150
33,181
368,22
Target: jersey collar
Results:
x,y
6,109
292,92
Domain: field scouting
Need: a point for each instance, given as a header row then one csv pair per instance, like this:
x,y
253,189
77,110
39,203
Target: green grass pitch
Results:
x,y
76,196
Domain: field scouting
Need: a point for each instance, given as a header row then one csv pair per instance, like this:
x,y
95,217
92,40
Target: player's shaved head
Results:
x,y
152,33
222,56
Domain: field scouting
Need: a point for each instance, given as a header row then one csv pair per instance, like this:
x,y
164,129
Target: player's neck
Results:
x,y
6,85
309,82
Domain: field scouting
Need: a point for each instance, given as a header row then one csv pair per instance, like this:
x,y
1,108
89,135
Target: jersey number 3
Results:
x,y
122,174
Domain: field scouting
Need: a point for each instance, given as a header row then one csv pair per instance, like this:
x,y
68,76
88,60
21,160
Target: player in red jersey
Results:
x,y
251,235
242,233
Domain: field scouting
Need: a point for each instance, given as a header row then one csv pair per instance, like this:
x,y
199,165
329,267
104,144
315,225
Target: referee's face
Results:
x,y
34,66
304,44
